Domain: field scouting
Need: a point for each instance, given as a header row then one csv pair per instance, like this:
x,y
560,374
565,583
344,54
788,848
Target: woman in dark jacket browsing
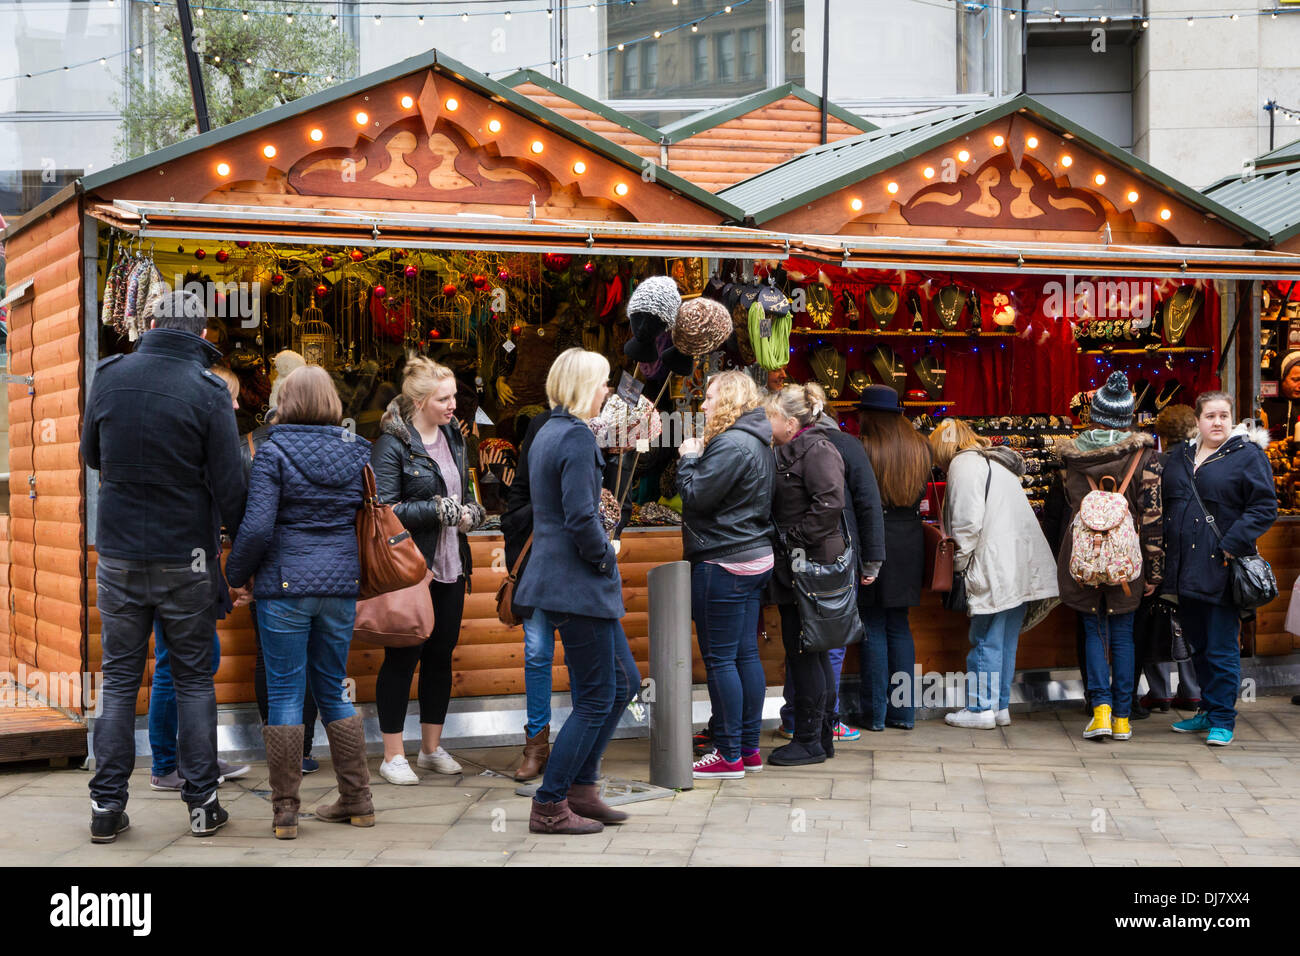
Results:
x,y
573,576
808,510
298,541
419,463
1231,473
726,481
901,459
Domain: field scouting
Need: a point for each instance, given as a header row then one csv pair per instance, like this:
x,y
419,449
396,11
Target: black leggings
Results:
x,y
811,675
393,686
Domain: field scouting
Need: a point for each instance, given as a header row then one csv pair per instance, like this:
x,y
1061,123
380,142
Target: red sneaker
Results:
x,y
712,767
753,763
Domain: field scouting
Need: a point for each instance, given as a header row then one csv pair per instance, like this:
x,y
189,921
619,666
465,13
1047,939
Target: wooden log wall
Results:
x,y
1280,546
47,532
6,636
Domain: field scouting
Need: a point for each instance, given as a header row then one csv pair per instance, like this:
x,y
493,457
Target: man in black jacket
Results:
x,y
160,429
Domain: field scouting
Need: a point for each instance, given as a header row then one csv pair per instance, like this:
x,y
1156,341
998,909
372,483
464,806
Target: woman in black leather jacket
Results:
x,y
726,481
419,464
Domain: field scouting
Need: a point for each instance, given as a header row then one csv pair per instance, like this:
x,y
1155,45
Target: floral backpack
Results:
x,y
1104,543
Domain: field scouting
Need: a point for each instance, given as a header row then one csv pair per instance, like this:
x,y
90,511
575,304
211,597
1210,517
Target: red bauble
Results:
x,y
556,261
503,275
379,292
589,267
449,290
435,334
277,279
480,282
357,255
327,262
222,255
412,272
515,329
321,290
242,243
200,254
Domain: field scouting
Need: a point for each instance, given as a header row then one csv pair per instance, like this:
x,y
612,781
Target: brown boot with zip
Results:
x,y
537,750
348,751
284,765
584,800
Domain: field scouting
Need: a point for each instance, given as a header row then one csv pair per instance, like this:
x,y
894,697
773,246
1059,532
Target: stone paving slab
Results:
x,y
1032,794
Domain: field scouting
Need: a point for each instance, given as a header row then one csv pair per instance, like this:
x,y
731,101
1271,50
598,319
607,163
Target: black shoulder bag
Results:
x,y
1249,576
954,599
827,598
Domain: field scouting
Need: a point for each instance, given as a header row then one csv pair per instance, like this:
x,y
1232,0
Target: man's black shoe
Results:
x,y
702,742
207,819
105,825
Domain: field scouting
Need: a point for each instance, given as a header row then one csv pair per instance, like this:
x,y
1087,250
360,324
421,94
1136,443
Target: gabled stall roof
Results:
x,y
1269,196
592,114
709,119
826,169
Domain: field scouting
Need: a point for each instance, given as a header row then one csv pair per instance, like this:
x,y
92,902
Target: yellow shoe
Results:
x,y
1123,730
1100,726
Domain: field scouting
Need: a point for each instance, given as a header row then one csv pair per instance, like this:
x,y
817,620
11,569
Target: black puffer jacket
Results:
x,y
407,477
808,507
862,511
727,491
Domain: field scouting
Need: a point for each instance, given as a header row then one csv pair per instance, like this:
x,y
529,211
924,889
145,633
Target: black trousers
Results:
x,y
811,676
259,690
433,657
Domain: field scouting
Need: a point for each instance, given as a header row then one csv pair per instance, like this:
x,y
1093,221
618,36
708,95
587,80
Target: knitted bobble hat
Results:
x,y
1112,404
658,297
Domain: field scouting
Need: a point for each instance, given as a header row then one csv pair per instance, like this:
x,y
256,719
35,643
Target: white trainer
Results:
x,y
439,761
973,719
398,772
1003,718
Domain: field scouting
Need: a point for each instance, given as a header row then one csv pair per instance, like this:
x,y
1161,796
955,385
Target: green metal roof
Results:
x,y
1283,154
1270,197
519,77
707,119
439,63
825,169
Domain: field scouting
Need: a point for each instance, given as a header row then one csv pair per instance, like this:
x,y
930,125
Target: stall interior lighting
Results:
x,y
268,151
1099,179
999,141
362,119
892,188
856,205
407,101
620,189
1067,160
494,126
1165,214
964,156
317,135
579,167
928,172
1032,142
537,146
452,104
223,169
1132,195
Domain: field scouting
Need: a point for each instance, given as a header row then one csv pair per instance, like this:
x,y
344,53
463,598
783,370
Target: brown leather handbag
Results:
x,y
390,559
401,618
940,550
506,592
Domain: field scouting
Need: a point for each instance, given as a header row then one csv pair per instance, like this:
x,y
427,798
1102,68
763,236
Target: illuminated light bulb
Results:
x,y
1032,142
695,28
464,17
1099,179
508,14
408,101
362,119
1191,21
998,141
494,126
536,146
1165,214
288,18
855,205
928,172
268,151
964,156
317,135
223,169
1132,195
657,34
892,188
1067,160
620,48
420,19
452,104
579,167
620,189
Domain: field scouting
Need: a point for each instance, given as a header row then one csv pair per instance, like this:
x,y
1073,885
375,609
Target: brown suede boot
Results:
x,y
284,764
584,800
348,751
558,818
537,750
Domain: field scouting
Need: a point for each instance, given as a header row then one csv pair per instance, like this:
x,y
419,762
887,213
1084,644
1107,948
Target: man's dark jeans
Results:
x,y
130,593
603,679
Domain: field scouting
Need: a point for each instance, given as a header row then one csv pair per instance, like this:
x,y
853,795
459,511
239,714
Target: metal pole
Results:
x,y
670,676
826,64
193,66
1271,106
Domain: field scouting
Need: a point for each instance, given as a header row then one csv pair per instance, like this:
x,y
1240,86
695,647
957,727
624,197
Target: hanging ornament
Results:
x,y
327,262
448,290
480,282
242,243
357,255
321,290
277,279
503,274
556,261
435,334
589,267
379,292
515,329
411,272
180,250
222,255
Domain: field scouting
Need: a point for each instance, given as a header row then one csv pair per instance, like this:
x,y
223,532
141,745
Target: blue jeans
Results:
x,y
1109,683
1211,631
306,639
889,651
836,657
992,658
539,655
162,702
603,679
725,608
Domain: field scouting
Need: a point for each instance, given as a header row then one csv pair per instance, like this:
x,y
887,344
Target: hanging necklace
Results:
x,y
883,306
828,366
948,313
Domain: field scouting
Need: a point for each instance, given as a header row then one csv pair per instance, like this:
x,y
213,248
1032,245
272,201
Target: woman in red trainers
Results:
x,y
726,480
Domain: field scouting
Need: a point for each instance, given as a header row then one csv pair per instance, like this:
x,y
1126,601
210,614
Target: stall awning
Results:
x,y
306,226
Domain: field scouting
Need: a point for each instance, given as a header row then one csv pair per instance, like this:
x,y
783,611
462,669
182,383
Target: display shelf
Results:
x,y
1165,350
907,334
934,404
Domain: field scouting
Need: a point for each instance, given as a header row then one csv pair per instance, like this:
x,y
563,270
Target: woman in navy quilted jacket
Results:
x,y
298,543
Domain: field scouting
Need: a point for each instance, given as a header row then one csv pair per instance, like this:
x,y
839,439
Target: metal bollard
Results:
x,y
670,675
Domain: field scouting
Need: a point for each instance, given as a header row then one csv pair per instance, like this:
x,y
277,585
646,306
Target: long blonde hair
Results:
x,y
952,436
736,394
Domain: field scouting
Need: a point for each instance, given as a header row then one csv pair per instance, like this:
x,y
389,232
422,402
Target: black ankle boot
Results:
x,y
806,748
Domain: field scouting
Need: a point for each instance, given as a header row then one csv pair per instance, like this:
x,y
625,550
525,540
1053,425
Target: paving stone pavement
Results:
x,y
1034,793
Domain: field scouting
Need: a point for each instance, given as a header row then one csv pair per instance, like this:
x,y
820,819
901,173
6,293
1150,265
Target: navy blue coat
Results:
x,y
160,429
1236,484
299,536
863,513
571,568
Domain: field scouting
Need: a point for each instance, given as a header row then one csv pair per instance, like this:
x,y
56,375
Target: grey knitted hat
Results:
x,y
1112,404
657,296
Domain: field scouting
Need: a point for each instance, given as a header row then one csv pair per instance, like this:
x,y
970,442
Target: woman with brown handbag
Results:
x,y
298,538
419,464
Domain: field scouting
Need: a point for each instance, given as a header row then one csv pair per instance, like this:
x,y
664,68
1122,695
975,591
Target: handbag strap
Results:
x,y
371,496
1209,518
519,561
943,504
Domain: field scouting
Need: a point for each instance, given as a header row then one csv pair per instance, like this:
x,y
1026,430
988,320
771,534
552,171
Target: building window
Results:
x,y
700,59
726,58
751,44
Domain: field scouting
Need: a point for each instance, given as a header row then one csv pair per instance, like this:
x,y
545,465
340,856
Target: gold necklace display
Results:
x,y
1180,310
819,305
949,314
884,306
828,366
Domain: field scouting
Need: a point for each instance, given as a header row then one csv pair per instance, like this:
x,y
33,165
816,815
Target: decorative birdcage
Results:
x,y
314,341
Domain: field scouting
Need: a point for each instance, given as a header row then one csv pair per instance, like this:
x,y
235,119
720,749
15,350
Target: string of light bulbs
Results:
x,y
247,12
1142,19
